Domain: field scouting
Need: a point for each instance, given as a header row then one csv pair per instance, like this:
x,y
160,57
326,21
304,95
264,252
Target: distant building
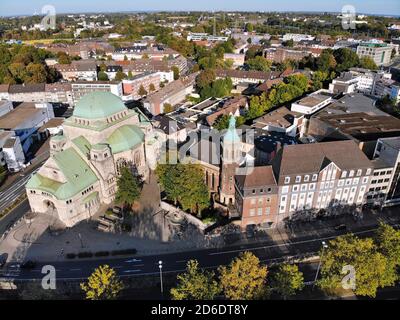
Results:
x,y
81,88
297,37
146,80
172,94
237,59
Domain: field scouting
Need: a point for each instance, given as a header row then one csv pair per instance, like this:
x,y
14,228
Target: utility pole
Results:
x,y
161,279
324,246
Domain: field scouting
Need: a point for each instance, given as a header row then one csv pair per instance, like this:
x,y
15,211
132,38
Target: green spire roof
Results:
x,y
231,134
97,105
125,138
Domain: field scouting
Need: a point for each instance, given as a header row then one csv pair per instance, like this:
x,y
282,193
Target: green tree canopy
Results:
x,y
258,63
102,76
102,284
362,255
288,280
128,187
184,184
368,63
142,91
244,278
195,284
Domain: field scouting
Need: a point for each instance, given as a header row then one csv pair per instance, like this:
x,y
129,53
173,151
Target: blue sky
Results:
x,y
14,7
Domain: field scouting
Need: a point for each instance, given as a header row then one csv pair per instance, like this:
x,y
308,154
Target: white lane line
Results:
x,y
133,260
284,244
77,269
129,271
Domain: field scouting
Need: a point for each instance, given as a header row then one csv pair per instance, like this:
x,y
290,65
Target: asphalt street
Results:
x,y
267,251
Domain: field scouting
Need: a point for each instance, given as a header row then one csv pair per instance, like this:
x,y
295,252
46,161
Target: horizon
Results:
x,y
9,8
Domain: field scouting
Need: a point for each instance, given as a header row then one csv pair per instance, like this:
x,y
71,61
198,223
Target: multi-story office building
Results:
x,y
380,53
81,88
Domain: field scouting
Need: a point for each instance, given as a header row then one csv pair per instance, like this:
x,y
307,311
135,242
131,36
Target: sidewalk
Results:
x,y
36,243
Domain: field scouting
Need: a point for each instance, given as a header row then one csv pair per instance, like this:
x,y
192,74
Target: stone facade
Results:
x,y
101,137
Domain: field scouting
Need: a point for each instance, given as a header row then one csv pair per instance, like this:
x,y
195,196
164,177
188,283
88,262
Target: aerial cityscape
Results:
x,y
210,151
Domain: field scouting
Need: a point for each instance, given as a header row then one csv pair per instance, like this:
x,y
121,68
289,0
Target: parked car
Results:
x,y
30,264
340,227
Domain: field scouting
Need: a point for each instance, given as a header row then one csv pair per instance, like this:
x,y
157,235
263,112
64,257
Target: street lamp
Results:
x,y
161,282
324,246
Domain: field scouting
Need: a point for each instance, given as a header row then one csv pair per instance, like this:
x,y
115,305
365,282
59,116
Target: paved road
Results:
x,y
267,251
9,195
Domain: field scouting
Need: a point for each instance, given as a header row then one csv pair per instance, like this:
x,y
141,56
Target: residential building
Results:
x,y
280,120
239,76
78,70
237,59
146,80
321,177
172,94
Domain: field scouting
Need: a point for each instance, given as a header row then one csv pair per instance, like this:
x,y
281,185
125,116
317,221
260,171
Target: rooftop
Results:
x,y
98,105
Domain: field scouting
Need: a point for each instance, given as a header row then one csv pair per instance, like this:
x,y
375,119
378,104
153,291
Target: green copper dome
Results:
x,y
125,138
97,105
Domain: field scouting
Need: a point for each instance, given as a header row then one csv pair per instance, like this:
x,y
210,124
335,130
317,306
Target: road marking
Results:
x,y
284,244
181,261
133,260
129,271
77,269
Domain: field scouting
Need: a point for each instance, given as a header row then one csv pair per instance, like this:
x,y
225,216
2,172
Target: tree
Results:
x,y
249,27
195,284
184,183
288,280
35,73
176,72
119,76
128,187
368,63
318,78
205,78
289,43
326,61
360,254
222,122
244,278
168,108
102,76
258,63
103,284
388,242
346,59
152,87
142,91
63,58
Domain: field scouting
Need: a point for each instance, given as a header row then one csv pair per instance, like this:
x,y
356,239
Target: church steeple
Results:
x,y
231,144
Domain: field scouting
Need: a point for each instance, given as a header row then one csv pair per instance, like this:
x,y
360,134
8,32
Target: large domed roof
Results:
x,y
98,105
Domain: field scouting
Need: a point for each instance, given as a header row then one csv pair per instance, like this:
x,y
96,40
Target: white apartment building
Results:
x,y
320,176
